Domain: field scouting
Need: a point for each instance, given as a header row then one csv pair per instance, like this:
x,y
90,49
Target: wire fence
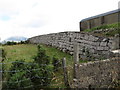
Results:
x,y
56,80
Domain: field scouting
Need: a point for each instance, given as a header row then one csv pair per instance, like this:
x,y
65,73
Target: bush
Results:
x,y
43,61
31,75
25,75
17,76
2,54
56,63
23,42
11,43
41,57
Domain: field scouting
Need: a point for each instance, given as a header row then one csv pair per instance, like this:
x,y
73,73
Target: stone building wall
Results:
x,y
90,46
97,74
112,18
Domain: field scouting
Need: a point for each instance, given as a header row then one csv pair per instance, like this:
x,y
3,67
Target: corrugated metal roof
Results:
x,y
104,14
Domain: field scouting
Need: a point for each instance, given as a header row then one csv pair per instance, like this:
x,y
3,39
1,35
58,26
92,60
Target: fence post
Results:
x,y
76,58
1,69
65,73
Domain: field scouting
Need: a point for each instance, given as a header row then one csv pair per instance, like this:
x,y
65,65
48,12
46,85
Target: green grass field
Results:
x,y
28,51
16,52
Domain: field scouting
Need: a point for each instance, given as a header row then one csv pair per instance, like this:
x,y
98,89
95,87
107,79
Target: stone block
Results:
x,y
95,43
103,44
106,48
100,48
92,50
86,37
93,38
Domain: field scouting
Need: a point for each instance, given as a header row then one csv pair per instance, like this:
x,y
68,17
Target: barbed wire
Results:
x,y
29,79
27,63
30,70
31,63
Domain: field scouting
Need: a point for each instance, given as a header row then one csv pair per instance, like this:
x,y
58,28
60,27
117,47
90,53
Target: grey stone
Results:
x,y
100,48
62,40
103,44
100,72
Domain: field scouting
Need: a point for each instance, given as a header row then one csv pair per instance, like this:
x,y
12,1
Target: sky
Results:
x,y
30,18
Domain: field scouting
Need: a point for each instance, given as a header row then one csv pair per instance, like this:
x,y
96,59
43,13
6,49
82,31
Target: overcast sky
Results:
x,y
35,17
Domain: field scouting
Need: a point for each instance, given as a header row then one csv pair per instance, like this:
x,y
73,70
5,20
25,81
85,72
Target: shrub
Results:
x,y
25,75
36,74
41,57
43,61
2,54
11,43
23,42
17,77
56,63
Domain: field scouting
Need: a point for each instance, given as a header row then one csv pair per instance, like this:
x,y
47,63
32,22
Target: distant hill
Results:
x,y
16,39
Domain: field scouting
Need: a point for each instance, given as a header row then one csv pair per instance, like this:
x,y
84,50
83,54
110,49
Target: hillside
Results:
x,y
28,51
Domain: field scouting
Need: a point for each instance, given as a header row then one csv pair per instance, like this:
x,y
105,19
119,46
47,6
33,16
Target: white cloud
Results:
x,y
35,17
34,24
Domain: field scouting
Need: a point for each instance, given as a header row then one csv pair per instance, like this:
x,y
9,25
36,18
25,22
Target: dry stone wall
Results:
x,y
90,46
97,74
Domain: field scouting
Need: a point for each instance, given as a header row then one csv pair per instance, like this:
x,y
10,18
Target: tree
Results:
x,y
11,43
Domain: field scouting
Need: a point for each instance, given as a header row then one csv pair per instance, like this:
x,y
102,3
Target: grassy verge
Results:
x,y
112,33
115,25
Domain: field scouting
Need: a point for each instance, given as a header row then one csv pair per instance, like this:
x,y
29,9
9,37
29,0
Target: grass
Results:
x,y
28,51
112,33
17,52
108,26
51,51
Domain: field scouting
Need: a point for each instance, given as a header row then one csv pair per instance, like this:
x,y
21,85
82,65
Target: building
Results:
x,y
98,20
